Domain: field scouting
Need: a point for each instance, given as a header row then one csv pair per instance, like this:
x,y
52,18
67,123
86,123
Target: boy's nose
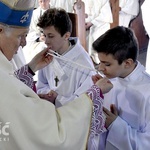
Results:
x,y
101,67
46,41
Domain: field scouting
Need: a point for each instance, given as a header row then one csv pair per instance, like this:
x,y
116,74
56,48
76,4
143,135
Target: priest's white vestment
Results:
x,y
28,122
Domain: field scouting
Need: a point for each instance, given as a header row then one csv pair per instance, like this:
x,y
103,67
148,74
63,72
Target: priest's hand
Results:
x,y
96,77
40,60
104,84
110,115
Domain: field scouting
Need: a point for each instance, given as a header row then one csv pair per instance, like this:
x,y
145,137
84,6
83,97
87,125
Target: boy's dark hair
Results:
x,y
120,42
58,18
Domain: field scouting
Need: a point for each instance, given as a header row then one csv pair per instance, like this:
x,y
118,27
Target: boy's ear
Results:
x,y
128,63
67,35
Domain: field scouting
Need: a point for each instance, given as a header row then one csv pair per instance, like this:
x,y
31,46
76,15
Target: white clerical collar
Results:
x,y
69,48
